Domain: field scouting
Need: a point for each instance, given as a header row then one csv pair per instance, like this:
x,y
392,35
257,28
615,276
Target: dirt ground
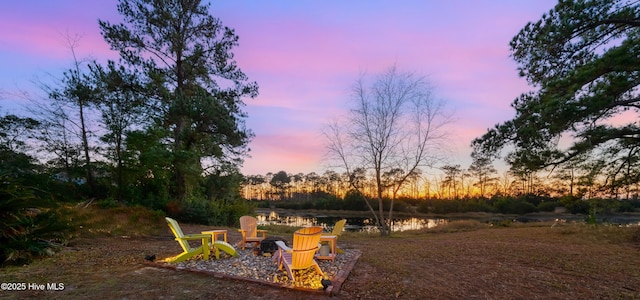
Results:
x,y
563,262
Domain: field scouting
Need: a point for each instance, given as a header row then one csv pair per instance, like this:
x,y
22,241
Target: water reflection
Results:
x,y
353,223
366,224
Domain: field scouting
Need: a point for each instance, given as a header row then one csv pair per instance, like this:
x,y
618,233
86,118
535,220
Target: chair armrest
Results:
x,y
205,238
262,231
283,246
195,236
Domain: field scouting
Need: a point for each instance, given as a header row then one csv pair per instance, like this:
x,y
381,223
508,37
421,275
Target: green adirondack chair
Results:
x,y
183,240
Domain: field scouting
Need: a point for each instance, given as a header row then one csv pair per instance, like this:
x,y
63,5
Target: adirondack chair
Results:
x,y
249,230
183,240
337,231
300,257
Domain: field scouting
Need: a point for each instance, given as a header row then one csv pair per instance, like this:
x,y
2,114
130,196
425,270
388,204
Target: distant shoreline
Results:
x,y
619,218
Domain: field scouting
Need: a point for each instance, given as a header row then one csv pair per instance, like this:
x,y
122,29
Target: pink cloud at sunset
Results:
x,y
39,28
305,56
275,151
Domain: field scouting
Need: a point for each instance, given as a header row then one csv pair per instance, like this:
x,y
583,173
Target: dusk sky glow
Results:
x,y
305,56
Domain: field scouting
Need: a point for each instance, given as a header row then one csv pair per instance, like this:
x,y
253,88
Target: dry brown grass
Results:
x,y
93,221
464,260
572,261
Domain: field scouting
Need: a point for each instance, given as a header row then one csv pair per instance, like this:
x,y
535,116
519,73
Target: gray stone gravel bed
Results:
x,y
263,268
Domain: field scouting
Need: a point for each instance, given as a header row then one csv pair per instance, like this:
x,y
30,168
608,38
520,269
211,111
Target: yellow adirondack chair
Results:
x,y
337,231
300,257
249,230
183,240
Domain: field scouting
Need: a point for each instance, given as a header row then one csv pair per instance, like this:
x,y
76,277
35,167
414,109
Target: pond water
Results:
x,y
367,224
364,224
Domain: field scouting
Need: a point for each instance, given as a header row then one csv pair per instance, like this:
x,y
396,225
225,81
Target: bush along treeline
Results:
x,y
528,204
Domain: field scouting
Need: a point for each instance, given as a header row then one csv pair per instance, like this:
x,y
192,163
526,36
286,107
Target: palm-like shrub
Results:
x,y
30,225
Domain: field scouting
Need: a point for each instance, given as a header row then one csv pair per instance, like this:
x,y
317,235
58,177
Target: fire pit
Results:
x,y
268,245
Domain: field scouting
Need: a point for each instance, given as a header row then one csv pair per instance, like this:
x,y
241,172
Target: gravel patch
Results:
x,y
265,269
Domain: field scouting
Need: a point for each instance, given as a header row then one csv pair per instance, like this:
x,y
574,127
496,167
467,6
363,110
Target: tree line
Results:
x,y
456,190
452,183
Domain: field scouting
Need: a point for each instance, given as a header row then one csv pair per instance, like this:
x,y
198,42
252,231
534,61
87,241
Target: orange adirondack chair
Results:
x,y
183,240
249,230
300,257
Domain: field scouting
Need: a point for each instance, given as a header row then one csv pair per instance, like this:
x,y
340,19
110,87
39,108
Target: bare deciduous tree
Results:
x,y
396,125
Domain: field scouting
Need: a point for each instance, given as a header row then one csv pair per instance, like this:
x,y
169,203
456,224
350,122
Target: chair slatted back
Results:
x,y
250,225
305,245
338,227
177,231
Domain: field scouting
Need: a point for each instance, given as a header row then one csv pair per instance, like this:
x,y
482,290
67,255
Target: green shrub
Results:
x,y
627,206
548,205
502,223
575,205
354,201
476,205
219,212
30,225
510,205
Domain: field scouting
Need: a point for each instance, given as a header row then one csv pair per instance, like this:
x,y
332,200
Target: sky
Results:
x,y
305,57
